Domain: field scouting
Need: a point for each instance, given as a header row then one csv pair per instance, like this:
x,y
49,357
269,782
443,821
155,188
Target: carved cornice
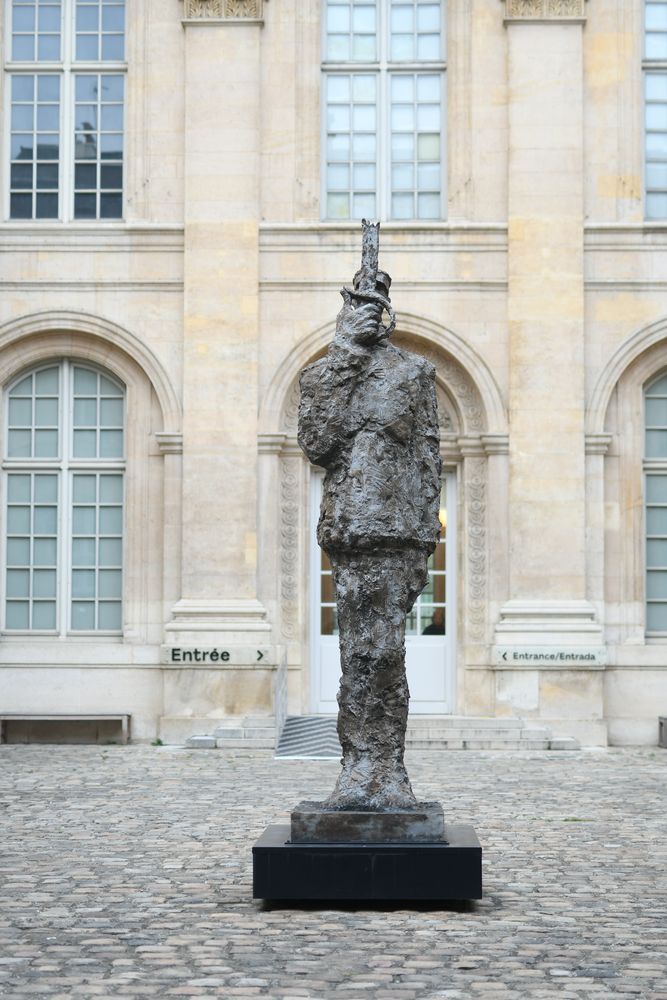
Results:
x,y
544,10
223,10
169,442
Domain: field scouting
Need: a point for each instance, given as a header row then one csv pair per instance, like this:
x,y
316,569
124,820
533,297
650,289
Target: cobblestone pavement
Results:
x,y
125,872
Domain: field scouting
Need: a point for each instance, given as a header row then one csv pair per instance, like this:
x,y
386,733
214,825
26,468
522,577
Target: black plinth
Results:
x,y
450,869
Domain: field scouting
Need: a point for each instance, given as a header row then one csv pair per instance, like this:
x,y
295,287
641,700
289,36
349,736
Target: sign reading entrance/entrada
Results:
x,y
515,657
217,655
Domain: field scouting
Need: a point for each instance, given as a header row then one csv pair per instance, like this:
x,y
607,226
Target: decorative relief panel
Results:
x,y
475,513
289,546
528,10
222,9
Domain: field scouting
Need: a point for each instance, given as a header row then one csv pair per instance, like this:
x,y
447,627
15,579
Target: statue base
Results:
x,y
314,823
450,869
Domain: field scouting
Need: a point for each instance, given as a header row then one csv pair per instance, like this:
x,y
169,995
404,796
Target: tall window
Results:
x,y
383,86
63,501
655,468
655,86
66,82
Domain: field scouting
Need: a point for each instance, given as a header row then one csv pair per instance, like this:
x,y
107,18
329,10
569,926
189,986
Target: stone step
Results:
x,y
437,733
478,744
244,732
246,744
462,722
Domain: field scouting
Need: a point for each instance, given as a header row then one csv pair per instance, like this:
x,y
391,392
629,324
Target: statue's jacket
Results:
x,y
370,418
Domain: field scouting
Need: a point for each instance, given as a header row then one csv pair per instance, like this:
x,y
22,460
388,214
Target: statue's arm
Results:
x,y
326,419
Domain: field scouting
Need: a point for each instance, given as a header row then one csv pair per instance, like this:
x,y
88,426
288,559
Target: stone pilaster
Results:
x,y
219,604
547,493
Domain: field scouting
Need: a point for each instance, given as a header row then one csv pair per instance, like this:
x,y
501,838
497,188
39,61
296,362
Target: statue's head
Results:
x,y
382,282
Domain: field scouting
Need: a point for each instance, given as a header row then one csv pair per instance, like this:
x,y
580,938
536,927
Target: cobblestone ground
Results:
x,y
125,872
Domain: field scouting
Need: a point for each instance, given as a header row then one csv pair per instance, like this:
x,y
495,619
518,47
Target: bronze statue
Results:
x,y
368,415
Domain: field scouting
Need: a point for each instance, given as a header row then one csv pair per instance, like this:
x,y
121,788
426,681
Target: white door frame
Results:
x,y
449,479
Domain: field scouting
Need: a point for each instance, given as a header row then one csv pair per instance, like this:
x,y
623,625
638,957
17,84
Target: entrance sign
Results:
x,y
518,657
216,656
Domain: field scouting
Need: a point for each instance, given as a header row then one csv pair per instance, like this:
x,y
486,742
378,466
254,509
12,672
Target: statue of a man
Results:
x,y
368,415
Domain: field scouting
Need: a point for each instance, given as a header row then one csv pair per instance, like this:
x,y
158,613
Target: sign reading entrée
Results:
x,y
216,656
556,657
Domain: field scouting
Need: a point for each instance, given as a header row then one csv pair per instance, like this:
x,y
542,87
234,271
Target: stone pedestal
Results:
x,y
450,869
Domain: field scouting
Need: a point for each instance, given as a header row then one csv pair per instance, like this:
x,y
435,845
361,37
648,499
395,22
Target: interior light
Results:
x,y
442,514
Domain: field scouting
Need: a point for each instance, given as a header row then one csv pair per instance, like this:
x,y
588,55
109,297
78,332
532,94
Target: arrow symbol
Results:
x,y
260,655
505,655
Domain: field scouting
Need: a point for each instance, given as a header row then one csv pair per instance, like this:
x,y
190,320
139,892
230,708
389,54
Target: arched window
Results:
x,y
655,467
63,471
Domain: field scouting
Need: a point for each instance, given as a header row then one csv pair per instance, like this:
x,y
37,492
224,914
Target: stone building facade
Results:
x,y
166,281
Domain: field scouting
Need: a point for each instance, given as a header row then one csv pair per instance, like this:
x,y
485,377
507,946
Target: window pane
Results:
x,y
20,412
45,520
656,617
111,520
656,206
110,583
85,412
85,444
656,584
656,45
111,552
110,617
428,206
19,444
46,412
44,615
656,553
402,47
656,489
428,17
656,444
111,489
45,551
18,614
44,583
363,206
83,583
83,520
402,206
46,489
46,444
656,86
656,412
85,488
18,489
46,382
111,444
18,583
83,552
656,521
428,47
18,551
83,615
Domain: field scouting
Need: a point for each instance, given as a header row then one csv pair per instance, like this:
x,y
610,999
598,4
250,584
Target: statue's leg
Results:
x,y
374,593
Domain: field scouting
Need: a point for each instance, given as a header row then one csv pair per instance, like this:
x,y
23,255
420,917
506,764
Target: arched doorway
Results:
x,y
473,448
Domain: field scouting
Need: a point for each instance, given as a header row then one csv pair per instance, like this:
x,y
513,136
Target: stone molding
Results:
x,y
545,10
218,616
105,332
525,621
223,10
169,443
598,444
